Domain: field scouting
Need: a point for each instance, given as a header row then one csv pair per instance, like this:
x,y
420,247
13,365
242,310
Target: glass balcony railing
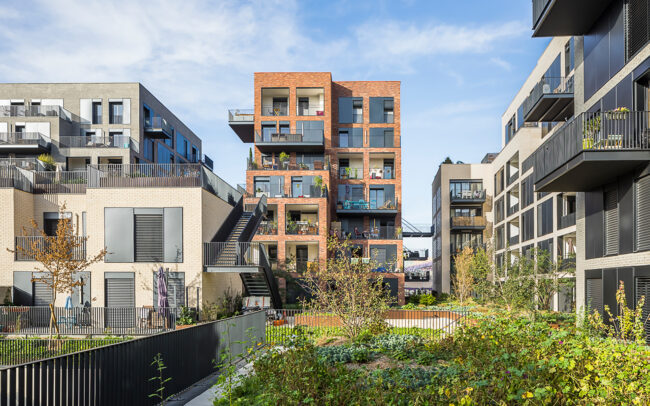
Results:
x,y
291,136
275,109
241,115
477,195
24,138
92,141
277,165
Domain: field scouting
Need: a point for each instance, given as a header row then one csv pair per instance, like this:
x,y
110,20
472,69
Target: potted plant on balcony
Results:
x,y
48,162
590,131
284,159
347,173
356,173
619,113
292,227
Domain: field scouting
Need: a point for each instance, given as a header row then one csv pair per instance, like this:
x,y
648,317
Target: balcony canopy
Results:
x,y
566,17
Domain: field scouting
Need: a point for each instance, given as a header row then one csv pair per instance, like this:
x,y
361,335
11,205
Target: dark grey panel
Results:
x,y
610,285
626,214
594,224
118,234
376,107
626,275
345,110
120,292
594,294
173,234
22,288
642,214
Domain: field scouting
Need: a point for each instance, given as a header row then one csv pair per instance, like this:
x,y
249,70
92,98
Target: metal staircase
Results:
x,y
238,254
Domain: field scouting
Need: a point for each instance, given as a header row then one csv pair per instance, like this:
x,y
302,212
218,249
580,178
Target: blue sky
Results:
x,y
460,63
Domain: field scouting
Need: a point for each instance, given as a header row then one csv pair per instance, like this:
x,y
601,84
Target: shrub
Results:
x,y
344,354
427,300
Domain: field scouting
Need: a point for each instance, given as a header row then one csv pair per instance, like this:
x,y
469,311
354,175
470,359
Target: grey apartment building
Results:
x,y
571,177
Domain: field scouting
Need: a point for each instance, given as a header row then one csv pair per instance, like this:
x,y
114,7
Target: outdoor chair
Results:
x,y
144,316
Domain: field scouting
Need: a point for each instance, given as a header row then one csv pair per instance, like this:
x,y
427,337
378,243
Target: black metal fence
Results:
x,y
119,374
15,351
132,321
434,323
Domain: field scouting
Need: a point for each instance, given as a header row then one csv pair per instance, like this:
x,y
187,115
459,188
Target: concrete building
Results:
x,y
462,215
602,153
132,180
327,155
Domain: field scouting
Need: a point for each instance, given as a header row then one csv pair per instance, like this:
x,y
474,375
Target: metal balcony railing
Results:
x,y
468,221
267,228
318,110
368,205
290,136
275,109
600,131
229,254
23,138
350,173
25,246
158,124
566,220
241,115
31,111
92,141
547,85
47,182
374,233
145,175
301,228
24,163
277,165
467,195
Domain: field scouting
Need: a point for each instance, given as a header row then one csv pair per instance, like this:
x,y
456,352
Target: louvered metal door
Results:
x,y
595,295
42,294
120,300
611,222
148,237
642,288
642,215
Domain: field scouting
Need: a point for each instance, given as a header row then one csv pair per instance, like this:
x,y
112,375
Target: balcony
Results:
x,y
301,228
242,122
291,140
23,246
592,150
30,164
566,220
32,111
365,207
277,165
92,141
565,17
49,182
550,100
24,142
345,172
468,223
158,127
268,228
467,196
275,109
374,233
232,256
144,175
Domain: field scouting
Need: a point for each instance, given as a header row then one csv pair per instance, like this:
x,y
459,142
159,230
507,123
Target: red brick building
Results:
x,y
327,156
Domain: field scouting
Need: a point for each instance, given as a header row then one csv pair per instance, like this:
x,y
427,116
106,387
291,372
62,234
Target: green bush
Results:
x,y
342,354
427,300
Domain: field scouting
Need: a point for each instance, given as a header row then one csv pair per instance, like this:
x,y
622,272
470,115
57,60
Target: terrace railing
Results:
x,y
144,175
374,233
276,165
275,109
310,110
468,221
22,350
46,182
291,136
24,163
241,115
31,111
267,228
92,141
14,177
154,123
599,131
28,243
301,228
24,138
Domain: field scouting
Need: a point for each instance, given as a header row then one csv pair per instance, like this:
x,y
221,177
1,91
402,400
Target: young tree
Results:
x,y
348,289
514,283
549,275
60,258
482,272
463,280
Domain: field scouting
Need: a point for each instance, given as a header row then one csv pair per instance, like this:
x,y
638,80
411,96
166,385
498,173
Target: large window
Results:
x,y
97,112
351,137
382,138
466,189
381,110
116,112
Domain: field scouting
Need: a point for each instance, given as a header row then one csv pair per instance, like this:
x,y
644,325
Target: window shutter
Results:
x,y
85,110
642,209
42,294
377,137
173,234
126,111
389,138
595,295
357,138
148,237
643,289
120,292
638,25
611,222
118,234
345,110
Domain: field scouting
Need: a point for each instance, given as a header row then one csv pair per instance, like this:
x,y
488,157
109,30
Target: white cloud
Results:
x,y
502,63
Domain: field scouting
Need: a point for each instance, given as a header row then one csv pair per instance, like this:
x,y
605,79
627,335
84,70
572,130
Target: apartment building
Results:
x,y
132,180
601,154
327,157
462,215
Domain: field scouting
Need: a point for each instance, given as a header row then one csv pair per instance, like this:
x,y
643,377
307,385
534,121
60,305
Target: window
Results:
x,y
510,129
351,138
499,213
147,149
527,191
568,57
466,190
381,138
97,112
611,222
642,213
148,237
116,112
528,225
381,110
165,156
377,197
357,110
182,145
520,116
351,193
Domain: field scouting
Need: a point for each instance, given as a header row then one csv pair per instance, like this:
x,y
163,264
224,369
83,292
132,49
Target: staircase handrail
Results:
x,y
270,278
253,223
